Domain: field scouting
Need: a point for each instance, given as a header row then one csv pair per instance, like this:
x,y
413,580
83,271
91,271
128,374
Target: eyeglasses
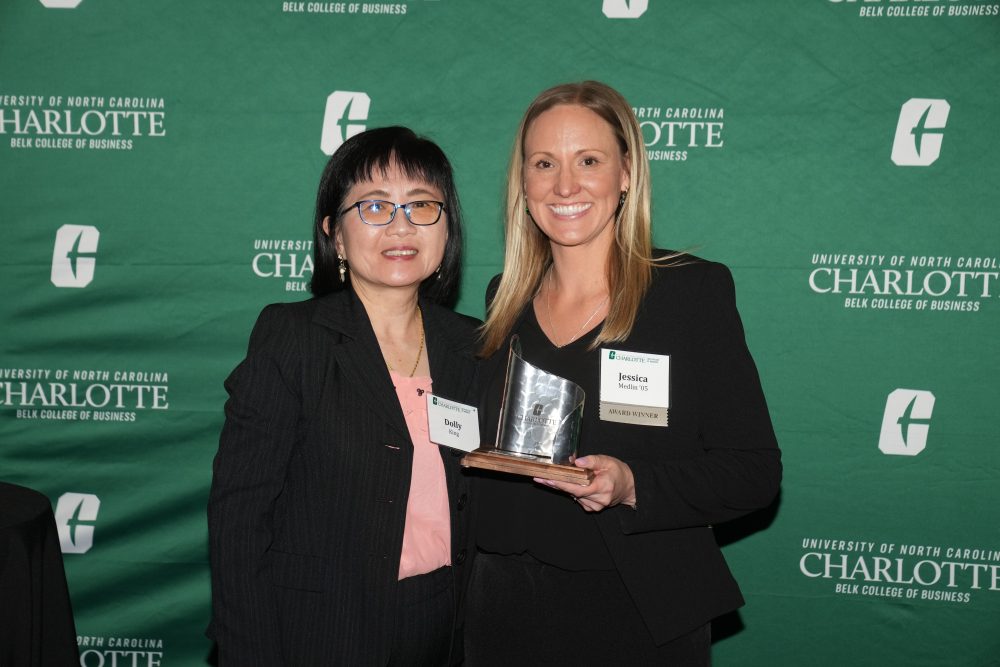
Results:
x,y
378,212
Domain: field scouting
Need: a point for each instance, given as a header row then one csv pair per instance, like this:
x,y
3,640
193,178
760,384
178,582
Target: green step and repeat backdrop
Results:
x,y
159,161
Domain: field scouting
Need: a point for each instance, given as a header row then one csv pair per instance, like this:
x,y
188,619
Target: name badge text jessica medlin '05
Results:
x,y
635,387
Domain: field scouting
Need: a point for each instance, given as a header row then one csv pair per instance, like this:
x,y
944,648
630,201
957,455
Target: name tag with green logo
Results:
x,y
635,387
452,424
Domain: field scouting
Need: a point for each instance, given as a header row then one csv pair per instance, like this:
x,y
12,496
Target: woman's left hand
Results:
x,y
613,483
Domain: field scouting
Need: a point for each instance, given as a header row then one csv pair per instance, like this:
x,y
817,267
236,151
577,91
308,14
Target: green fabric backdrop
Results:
x,y
159,162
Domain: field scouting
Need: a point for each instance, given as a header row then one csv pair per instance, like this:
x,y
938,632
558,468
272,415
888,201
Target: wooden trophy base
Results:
x,y
488,458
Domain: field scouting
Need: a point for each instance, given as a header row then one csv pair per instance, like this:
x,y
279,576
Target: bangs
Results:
x,y
416,158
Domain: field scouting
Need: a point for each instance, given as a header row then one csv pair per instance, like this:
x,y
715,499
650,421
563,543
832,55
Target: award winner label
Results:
x,y
452,424
635,387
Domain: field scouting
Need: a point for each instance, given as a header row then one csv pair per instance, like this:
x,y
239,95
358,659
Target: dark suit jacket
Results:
x,y
310,485
36,617
717,460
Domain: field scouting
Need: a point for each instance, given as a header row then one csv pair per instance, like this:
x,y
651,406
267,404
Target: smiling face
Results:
x,y
574,174
399,255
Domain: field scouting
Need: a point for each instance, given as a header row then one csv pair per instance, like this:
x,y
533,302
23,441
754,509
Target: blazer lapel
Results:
x,y
360,357
450,358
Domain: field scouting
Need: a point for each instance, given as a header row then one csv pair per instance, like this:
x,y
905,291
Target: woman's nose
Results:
x,y
566,184
400,226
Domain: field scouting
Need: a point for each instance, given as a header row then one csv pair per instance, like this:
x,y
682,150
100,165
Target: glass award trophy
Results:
x,y
539,428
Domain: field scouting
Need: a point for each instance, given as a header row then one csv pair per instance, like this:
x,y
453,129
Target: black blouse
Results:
x,y
516,514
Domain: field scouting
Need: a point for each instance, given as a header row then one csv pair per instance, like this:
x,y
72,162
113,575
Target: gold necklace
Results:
x,y
420,350
548,316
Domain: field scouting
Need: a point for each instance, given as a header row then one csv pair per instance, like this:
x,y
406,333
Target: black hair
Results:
x,y
358,159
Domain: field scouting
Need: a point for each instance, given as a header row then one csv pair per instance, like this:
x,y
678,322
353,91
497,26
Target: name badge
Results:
x,y
635,387
452,424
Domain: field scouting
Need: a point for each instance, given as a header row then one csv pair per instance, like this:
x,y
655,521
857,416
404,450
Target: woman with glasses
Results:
x,y
625,571
337,529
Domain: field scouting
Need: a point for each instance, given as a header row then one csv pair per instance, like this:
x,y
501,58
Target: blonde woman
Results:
x,y
625,570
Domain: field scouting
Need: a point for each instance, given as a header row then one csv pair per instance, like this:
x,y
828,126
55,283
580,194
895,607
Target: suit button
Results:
x,y
462,499
460,557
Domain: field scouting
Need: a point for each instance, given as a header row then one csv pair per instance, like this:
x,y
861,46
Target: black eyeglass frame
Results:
x,y
396,207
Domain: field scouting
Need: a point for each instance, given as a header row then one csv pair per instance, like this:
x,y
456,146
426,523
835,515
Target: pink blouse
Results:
x,y
427,533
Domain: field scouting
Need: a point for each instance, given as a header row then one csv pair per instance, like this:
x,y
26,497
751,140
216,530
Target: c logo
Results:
x,y
919,132
623,9
74,255
76,514
340,105
61,4
905,422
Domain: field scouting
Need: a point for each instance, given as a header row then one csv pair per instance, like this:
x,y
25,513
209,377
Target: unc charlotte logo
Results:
x,y
919,132
623,9
341,105
906,422
75,517
74,255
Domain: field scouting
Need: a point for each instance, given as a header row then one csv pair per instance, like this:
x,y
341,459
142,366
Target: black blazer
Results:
x,y
36,617
310,485
717,460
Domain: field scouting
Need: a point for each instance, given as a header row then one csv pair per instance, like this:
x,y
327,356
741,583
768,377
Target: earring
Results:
x,y
437,272
621,199
342,268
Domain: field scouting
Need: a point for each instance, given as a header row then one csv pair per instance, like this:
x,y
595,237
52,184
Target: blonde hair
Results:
x,y
527,253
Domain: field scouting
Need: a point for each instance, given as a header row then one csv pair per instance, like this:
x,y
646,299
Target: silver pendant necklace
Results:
x,y
548,316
